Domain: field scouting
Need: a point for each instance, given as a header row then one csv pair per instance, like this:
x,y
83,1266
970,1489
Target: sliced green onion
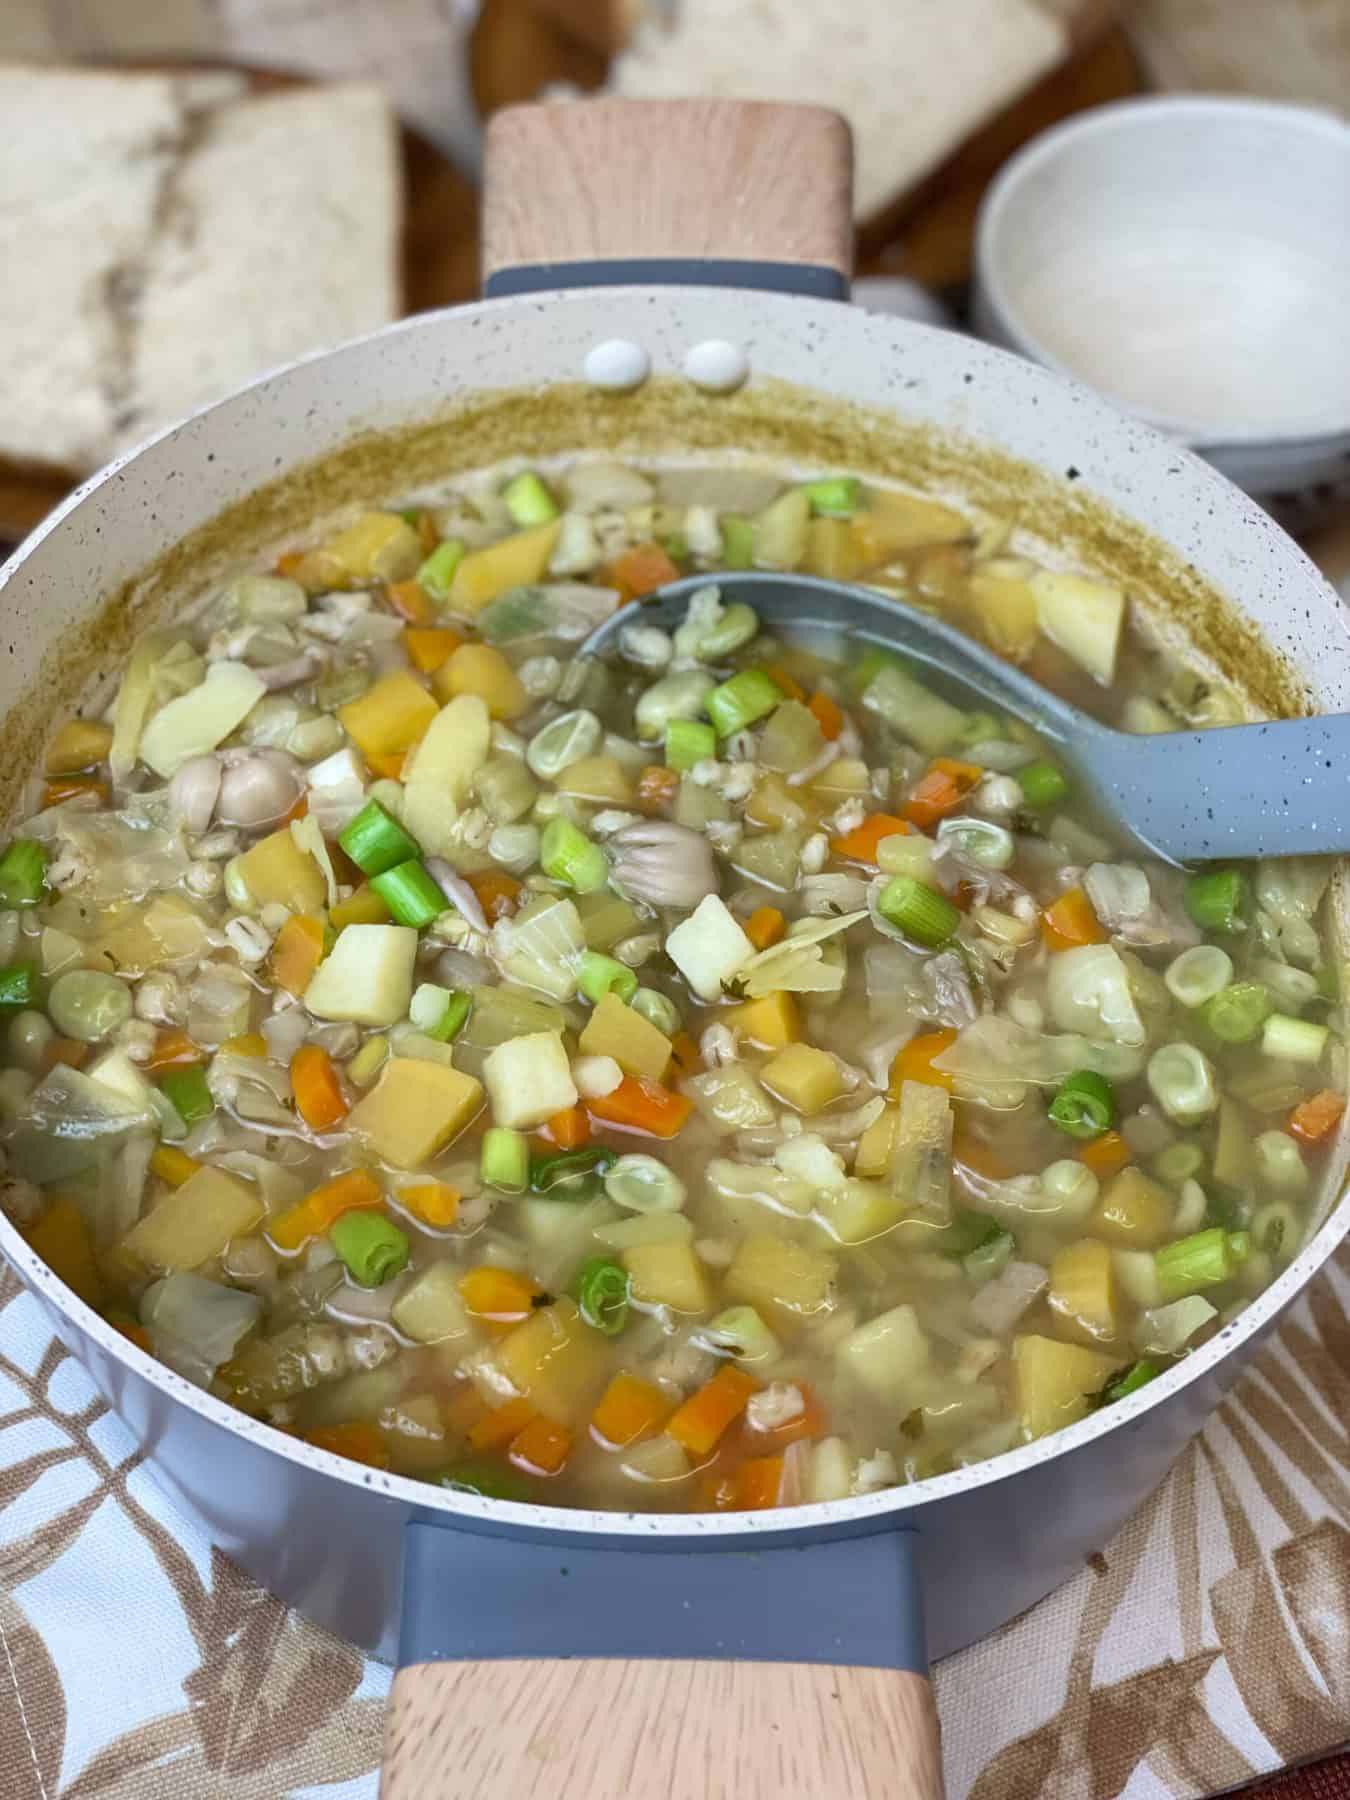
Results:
x,y
1200,1261
735,628
550,1172
1085,1105
835,498
979,1243
376,841
453,1017
566,854
980,839
1178,1162
1216,899
751,695
20,986
528,501
1182,1082
1129,1381
1042,784
89,1005
23,873
738,542
688,742
598,975
1293,1040
487,1480
919,911
1280,1162
504,1160
411,894
602,1294
1237,1013
644,1184
187,1092
371,1246
1198,974
438,571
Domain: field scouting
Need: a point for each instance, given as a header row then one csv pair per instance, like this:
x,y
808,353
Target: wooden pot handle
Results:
x,y
717,192
660,1668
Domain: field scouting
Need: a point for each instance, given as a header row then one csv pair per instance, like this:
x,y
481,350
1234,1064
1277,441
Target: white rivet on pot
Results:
x,y
717,366
617,363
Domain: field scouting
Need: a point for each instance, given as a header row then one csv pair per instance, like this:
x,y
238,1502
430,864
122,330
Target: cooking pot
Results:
x,y
776,1652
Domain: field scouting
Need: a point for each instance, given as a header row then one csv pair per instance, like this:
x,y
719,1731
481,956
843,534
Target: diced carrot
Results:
x,y
765,926
313,1215
249,1043
319,1098
297,951
1106,1155
174,1049
497,893
758,1481
69,1051
464,1406
389,764
288,563
860,844
628,1409
787,682
173,1165
496,1428
940,790
809,1423
717,1491
828,715
409,600
70,787
357,1439
130,1328
1316,1118
434,1203
569,1129
915,1062
1071,922
641,570
499,1297
430,646
684,1054
640,1105
541,1447
656,790
705,1415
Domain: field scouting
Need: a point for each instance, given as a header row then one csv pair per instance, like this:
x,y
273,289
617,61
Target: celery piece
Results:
x,y
689,742
920,912
438,571
1293,1040
528,501
1202,1260
738,542
566,854
376,841
504,1161
749,696
835,498
599,975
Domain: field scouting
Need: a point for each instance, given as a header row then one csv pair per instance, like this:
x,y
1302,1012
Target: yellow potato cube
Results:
x,y
894,522
557,1361
668,1274
1083,1293
614,1029
770,1023
787,1283
195,1222
480,670
514,561
805,1077
379,546
833,550
277,871
1005,606
1134,1211
389,717
414,1110
872,1159
1056,1382
859,1210
598,778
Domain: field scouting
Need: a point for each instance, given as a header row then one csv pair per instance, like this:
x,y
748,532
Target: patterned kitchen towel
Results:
x,y
1209,1643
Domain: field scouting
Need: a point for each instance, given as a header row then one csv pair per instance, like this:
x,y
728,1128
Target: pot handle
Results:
x,y
654,1670
711,193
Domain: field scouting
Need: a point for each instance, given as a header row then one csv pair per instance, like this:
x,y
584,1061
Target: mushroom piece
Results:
x,y
193,792
258,787
663,864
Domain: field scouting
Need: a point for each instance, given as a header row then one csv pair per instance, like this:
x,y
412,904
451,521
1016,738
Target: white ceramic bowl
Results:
x,y
1190,258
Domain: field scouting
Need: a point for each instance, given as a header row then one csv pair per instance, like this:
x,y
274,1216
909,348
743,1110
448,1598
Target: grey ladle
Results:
x,y
1276,789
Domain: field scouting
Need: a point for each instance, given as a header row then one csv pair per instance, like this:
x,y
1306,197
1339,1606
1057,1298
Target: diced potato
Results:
x,y
140,938
389,717
414,1110
431,1309
606,920
773,802
200,719
668,1274
730,1099
709,947
638,1047
115,1070
833,550
770,1023
414,1434
79,744
859,1210
888,1356
789,1284
1005,606
366,977
481,670
805,1077
1083,617
780,531
1134,1211
514,561
379,546
193,1223
557,1361
528,1080
872,1159
1083,1294
773,858
276,871
598,778
846,778
1056,1382
893,523
438,777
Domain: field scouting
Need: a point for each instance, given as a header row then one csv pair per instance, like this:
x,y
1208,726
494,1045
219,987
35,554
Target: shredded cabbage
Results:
x,y
1088,991
541,947
797,963
994,1049
195,1325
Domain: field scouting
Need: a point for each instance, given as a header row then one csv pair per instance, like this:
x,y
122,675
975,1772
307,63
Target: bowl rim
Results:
x,y
1136,112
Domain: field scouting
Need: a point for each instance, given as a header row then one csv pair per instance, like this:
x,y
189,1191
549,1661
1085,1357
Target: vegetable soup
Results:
x,y
730,1076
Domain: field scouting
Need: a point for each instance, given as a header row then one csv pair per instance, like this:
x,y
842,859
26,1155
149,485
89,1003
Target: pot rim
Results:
x,y
854,1516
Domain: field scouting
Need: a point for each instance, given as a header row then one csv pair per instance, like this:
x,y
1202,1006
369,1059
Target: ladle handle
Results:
x,y
645,1671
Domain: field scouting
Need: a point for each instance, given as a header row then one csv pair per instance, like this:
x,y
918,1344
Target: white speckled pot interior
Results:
x,y
896,398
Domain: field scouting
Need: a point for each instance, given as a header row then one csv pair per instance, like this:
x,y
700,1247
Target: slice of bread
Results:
x,y
165,238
